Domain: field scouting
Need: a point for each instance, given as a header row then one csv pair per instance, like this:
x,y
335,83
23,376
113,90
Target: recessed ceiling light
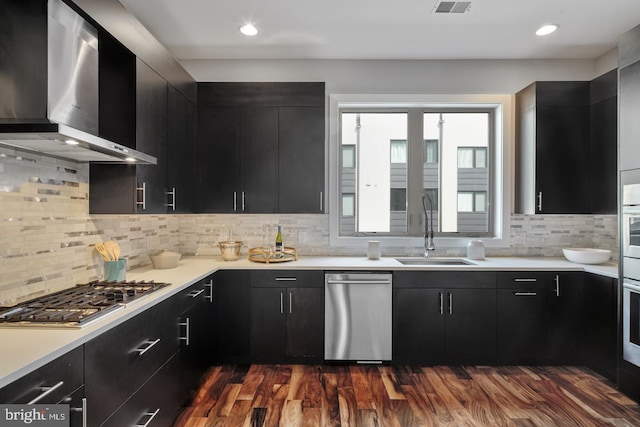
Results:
x,y
546,29
249,30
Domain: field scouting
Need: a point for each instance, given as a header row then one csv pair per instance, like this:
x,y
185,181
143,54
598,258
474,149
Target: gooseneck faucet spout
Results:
x,y
428,225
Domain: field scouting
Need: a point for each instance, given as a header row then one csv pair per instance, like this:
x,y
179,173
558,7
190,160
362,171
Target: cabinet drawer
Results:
x,y
445,279
522,279
155,404
119,361
65,374
285,278
192,295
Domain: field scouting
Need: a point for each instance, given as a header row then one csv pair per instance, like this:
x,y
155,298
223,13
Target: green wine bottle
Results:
x,y
279,246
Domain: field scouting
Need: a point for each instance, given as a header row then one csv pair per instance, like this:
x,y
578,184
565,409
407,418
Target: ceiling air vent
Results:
x,y
452,7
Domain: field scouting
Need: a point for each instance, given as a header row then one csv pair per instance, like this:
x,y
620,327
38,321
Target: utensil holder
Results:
x,y
115,271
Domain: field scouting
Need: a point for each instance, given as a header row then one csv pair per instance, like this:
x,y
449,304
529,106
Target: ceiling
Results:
x,y
383,29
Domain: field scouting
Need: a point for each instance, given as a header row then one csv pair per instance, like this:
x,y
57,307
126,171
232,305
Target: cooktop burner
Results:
x,y
77,306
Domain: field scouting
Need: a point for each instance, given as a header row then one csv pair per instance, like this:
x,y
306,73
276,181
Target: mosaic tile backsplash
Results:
x,y
47,237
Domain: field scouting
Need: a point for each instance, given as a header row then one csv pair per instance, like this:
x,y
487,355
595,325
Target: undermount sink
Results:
x,y
434,261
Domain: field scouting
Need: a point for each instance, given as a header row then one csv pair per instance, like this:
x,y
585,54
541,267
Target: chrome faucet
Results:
x,y
428,226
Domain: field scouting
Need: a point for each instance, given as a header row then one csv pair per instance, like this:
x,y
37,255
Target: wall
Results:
x,y
47,237
416,77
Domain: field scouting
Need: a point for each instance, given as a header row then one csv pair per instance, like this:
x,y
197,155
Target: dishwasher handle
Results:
x,y
358,282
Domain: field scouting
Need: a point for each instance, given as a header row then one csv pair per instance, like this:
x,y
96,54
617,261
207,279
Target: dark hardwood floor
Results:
x,y
367,395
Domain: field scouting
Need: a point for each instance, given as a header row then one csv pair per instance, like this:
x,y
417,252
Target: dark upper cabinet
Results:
x,y
300,164
261,147
552,132
560,124
151,138
219,159
181,153
259,159
137,188
629,125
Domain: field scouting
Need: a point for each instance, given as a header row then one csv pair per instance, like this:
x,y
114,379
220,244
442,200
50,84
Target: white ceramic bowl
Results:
x,y
587,255
165,259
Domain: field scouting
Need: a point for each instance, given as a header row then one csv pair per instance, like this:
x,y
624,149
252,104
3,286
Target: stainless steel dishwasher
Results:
x,y
357,317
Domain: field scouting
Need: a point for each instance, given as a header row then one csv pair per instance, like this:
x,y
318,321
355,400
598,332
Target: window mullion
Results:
x,y
414,172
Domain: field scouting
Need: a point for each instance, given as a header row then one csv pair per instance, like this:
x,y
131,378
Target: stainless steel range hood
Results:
x,y
69,99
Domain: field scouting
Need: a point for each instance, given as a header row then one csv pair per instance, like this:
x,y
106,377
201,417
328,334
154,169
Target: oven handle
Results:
x,y
632,285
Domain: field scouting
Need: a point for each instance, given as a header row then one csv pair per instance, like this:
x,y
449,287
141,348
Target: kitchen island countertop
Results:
x,y
29,348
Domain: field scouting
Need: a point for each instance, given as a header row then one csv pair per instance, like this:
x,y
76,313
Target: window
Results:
x,y
348,156
348,205
398,199
472,201
431,151
398,151
472,157
454,148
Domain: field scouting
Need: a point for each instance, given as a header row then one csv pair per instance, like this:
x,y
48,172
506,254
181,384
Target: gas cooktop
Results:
x,y
78,306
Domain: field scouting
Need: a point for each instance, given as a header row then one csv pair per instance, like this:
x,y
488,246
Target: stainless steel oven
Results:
x,y
630,260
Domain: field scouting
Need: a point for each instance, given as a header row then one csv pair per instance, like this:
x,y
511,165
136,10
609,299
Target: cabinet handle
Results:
x,y
82,409
150,343
290,302
186,331
142,189
540,201
557,289
151,416
286,279
172,193
441,302
210,286
450,303
235,201
525,294
281,302
194,294
321,202
525,280
243,201
47,390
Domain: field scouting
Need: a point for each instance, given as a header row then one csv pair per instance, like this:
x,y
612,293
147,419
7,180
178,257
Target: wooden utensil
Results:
x,y
113,249
103,251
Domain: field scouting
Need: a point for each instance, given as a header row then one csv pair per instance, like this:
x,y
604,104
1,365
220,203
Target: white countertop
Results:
x,y
26,349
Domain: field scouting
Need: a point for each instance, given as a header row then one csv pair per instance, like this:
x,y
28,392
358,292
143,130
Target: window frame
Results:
x,y
500,184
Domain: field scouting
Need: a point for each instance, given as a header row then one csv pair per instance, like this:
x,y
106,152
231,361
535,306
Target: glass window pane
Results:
x,y
481,202
348,156
348,205
465,202
398,199
398,151
481,158
431,151
465,157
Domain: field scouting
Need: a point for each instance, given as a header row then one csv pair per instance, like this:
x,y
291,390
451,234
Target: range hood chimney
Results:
x,y
49,87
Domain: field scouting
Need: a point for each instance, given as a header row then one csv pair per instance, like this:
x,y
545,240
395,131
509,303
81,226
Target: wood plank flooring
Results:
x,y
368,395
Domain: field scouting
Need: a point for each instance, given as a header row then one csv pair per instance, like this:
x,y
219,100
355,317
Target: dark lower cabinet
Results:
x,y
287,323
156,403
231,302
566,325
444,325
601,324
197,336
61,379
523,317
119,361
